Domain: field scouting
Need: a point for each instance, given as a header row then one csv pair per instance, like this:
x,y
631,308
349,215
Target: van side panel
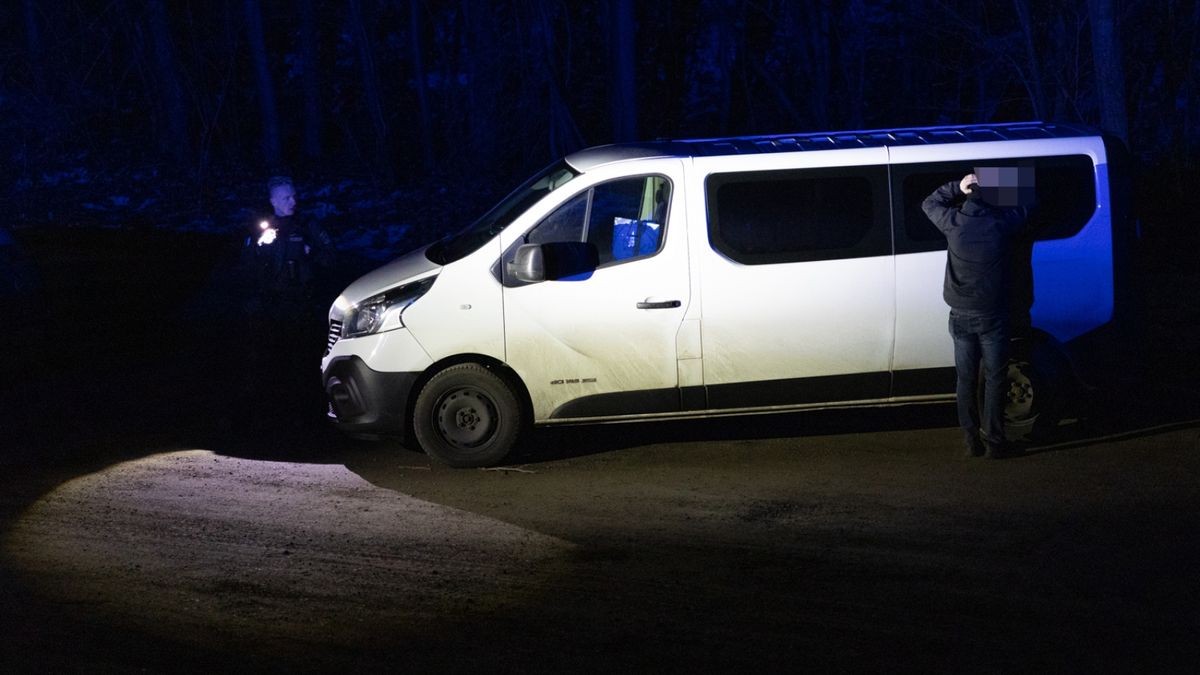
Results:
x,y
802,320
805,313
922,338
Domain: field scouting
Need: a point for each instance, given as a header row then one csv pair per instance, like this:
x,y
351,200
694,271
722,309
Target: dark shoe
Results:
x,y
996,450
975,447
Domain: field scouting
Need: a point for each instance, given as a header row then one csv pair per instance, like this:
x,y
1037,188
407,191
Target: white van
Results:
x,y
712,277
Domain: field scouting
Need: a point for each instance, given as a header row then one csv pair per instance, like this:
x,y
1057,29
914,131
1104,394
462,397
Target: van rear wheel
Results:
x,y
467,416
1036,390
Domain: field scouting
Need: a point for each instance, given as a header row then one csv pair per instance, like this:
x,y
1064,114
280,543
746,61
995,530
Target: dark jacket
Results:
x,y
290,265
981,240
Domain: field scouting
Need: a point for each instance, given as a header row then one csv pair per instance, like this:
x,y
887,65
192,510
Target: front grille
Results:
x,y
335,334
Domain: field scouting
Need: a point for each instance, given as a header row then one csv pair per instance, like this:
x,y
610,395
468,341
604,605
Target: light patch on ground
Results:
x,y
195,541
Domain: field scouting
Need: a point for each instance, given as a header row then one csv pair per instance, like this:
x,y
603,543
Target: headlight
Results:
x,y
368,316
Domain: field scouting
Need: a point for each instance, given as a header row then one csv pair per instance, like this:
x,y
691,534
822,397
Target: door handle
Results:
x,y
658,304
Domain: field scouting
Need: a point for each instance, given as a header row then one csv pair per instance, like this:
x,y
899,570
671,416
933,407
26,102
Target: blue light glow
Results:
x,y
1073,278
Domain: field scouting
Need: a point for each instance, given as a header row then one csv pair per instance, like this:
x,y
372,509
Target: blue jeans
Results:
x,y
980,337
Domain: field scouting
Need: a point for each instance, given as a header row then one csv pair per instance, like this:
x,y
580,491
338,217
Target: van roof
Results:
x,y
590,158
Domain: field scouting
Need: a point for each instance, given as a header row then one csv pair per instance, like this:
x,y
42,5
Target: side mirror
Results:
x,y
555,261
529,264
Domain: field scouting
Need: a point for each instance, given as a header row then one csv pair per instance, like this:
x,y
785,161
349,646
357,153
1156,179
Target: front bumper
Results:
x,y
366,402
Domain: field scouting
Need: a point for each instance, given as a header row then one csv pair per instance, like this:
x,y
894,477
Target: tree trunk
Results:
x,y
623,45
266,91
424,119
853,53
819,62
1110,79
1190,129
174,138
778,70
33,45
482,60
987,94
1034,84
371,91
564,136
709,62
311,83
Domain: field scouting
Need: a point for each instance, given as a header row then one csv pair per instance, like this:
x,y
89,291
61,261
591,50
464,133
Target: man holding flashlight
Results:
x,y
287,254
981,228
283,261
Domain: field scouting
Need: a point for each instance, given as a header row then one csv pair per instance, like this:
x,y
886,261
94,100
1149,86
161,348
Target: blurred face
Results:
x,y
283,199
1006,186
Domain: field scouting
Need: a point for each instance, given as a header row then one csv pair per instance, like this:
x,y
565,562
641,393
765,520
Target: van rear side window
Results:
x,y
1065,189
767,217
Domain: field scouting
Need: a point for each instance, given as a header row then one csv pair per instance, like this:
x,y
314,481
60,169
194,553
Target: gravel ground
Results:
x,y
824,549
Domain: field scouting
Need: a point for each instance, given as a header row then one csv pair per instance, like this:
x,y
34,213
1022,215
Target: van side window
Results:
x,y
564,224
767,217
624,219
1065,193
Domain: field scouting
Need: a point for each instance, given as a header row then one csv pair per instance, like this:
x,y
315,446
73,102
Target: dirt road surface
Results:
x,y
751,543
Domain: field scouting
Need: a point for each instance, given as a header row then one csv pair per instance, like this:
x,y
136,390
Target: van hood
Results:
x,y
401,270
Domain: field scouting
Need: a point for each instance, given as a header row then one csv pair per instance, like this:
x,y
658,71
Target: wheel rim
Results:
x,y
466,417
1020,395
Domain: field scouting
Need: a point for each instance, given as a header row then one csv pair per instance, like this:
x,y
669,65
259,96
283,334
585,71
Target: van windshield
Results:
x,y
467,241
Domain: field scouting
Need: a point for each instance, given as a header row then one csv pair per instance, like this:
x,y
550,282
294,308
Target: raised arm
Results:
x,y
941,205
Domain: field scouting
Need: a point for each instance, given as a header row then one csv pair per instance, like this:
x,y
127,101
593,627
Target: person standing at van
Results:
x,y
284,261
978,287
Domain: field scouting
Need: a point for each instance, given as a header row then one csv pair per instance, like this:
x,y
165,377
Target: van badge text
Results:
x,y
575,380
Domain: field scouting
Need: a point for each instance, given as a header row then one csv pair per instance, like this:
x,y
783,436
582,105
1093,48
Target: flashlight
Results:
x,y
268,233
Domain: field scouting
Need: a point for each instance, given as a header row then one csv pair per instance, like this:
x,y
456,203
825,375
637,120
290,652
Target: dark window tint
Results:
x,y
1065,197
797,216
624,219
564,224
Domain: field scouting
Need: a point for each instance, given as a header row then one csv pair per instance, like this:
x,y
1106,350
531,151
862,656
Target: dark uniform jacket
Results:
x,y
290,265
981,240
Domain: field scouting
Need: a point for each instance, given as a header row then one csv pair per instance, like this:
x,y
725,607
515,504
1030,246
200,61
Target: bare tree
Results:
x,y
372,89
623,46
1110,78
310,77
713,49
1034,82
175,137
852,52
420,87
563,134
479,53
819,60
266,90
33,45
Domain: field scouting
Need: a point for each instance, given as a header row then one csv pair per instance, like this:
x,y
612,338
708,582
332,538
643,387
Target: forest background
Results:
x,y
404,119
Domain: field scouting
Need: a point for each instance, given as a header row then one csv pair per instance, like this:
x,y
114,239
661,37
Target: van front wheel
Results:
x,y
467,416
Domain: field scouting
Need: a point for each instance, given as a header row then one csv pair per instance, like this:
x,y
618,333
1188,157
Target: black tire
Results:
x,y
1036,390
467,416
